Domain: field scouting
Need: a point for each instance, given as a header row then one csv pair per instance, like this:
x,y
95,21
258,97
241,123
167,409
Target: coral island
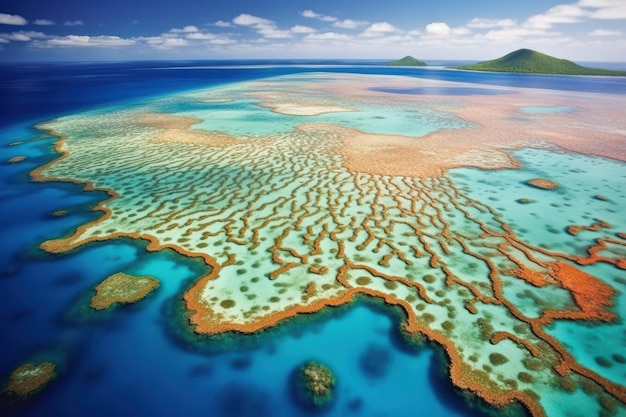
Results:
x,y
123,289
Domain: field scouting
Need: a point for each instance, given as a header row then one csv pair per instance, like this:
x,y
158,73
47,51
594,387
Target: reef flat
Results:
x,y
295,210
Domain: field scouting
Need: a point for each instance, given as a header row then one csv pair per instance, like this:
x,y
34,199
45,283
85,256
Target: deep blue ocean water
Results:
x,y
132,361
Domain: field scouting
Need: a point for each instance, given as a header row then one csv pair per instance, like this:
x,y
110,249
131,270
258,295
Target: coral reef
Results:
x,y
30,378
318,381
123,289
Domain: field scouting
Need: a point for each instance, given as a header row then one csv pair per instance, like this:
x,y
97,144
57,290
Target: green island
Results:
x,y
318,381
533,62
407,61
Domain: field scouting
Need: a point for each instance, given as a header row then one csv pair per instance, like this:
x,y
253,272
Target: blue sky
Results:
x,y
584,30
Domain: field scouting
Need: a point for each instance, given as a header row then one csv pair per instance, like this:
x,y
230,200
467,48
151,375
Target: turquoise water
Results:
x,y
543,222
246,118
548,109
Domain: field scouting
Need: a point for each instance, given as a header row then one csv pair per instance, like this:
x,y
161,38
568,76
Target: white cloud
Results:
x,y
563,13
605,9
438,29
480,23
249,20
2,40
349,24
603,32
312,15
44,22
12,19
302,29
264,27
74,23
186,29
201,36
89,41
328,36
271,32
164,42
223,24
379,29
21,36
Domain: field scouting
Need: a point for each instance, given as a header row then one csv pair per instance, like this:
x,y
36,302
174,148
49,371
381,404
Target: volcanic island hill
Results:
x,y
407,61
533,62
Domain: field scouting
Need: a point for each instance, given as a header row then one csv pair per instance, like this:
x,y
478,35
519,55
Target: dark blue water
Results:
x,y
137,360
33,91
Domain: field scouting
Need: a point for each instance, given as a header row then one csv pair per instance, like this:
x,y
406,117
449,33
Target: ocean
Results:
x,y
142,359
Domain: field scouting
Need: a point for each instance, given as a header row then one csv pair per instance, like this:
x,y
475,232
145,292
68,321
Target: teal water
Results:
x,y
547,109
543,222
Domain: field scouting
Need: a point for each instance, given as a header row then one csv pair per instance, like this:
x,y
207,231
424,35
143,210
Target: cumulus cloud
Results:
x,y
480,23
438,29
12,19
186,29
312,15
349,24
44,22
21,36
74,23
327,36
264,27
603,32
250,20
164,42
89,41
379,29
563,13
223,24
605,9
302,29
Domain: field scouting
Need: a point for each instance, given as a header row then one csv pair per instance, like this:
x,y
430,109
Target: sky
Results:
x,y
80,30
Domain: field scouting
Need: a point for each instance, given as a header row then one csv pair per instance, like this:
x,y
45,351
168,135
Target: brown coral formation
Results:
x,y
16,159
543,183
177,129
123,289
600,224
30,378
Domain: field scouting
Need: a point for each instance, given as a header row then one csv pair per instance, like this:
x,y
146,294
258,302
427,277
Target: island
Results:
x,y
407,61
533,62
122,288
30,378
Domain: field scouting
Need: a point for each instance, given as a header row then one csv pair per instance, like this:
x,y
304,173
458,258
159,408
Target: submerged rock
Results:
x,y
30,378
16,159
122,288
543,183
318,382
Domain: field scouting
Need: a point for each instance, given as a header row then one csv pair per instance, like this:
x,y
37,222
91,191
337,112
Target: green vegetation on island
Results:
x,y
407,61
533,62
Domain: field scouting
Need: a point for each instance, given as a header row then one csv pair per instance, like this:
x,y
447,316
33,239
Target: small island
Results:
x,y
317,382
407,61
30,378
122,288
533,62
